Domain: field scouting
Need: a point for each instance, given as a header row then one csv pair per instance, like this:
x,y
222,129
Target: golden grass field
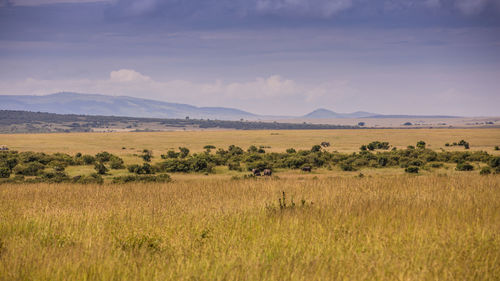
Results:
x,y
388,225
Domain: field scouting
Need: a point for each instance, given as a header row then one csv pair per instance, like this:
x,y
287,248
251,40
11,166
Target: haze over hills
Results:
x,y
95,104
322,113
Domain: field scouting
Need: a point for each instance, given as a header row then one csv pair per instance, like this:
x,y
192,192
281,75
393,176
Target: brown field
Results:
x,y
438,225
341,140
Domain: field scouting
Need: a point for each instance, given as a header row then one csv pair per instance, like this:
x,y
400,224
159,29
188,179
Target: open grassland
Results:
x,y
440,224
126,145
400,227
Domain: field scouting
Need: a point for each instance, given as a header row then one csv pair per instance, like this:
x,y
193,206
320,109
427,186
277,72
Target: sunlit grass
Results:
x,y
161,142
381,226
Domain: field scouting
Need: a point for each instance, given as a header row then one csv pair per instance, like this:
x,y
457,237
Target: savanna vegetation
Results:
x,y
380,206
42,167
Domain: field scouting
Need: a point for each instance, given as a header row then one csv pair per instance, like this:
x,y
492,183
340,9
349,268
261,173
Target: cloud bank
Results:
x,y
261,95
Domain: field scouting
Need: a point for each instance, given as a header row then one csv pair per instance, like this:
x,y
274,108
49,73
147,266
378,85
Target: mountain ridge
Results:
x,y
98,104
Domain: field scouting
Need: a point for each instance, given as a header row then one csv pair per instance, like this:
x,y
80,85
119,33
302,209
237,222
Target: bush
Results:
x,y
412,169
376,145
30,169
234,166
147,155
421,144
184,152
145,169
170,155
4,172
260,165
252,149
116,163
100,168
54,177
291,150
103,156
89,179
88,159
347,167
436,165
495,162
163,178
316,148
174,165
58,166
464,167
485,171
235,150
497,147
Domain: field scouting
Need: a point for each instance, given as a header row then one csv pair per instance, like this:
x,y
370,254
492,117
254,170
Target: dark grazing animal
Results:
x,y
325,144
256,172
306,169
267,172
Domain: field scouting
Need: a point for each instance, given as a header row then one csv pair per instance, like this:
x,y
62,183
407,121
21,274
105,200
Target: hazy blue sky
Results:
x,y
263,56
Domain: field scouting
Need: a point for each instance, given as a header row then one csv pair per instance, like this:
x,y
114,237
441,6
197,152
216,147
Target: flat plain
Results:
x,y
328,225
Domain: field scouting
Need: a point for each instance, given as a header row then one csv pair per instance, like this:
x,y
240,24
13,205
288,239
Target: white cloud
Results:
x,y
128,75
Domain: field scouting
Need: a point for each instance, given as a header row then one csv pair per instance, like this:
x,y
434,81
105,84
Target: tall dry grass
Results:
x,y
399,227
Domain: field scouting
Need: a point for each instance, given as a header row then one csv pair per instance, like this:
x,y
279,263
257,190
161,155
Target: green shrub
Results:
x,y
485,170
88,159
376,145
436,165
347,167
464,167
54,177
260,165
4,172
170,155
116,163
316,148
421,144
162,178
184,152
88,179
30,169
495,161
412,169
147,155
252,149
141,170
100,168
103,157
234,166
58,166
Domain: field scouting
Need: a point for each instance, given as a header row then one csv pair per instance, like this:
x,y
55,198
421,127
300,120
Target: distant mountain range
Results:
x,y
94,104
327,114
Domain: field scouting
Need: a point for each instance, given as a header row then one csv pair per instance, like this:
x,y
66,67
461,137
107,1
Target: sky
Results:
x,y
272,57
